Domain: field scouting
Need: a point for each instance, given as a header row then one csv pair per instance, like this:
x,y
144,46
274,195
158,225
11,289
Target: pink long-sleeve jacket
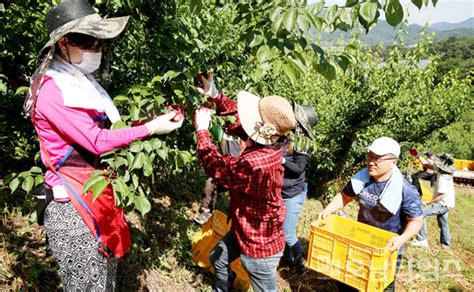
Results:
x,y
59,127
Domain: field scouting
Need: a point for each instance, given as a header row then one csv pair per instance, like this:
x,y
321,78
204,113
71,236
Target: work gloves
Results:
x,y
208,86
165,123
202,118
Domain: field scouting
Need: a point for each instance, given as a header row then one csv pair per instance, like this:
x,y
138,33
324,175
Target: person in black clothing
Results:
x,y
295,188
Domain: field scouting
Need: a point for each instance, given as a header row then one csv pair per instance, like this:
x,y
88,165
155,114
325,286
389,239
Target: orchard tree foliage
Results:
x,y
262,46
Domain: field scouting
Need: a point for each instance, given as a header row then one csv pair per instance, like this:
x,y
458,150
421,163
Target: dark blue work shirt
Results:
x,y
373,213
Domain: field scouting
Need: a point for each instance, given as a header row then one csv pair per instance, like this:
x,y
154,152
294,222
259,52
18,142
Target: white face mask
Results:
x,y
90,62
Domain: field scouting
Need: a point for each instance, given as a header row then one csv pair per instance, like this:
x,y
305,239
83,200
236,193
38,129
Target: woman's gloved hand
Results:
x,y
202,118
165,123
208,86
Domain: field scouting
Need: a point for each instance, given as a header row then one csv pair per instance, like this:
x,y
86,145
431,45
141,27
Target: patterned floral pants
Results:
x,y
81,266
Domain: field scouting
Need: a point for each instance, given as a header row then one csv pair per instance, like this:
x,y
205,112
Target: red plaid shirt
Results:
x,y
254,181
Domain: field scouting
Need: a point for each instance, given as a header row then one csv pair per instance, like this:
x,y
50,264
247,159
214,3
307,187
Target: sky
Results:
x,y
452,11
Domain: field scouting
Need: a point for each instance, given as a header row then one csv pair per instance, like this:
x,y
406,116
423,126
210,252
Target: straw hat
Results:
x,y
265,119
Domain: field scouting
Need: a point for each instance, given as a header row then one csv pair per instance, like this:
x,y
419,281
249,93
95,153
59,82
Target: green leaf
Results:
x,y
118,125
315,21
14,183
135,180
289,18
290,72
316,7
36,170
142,204
263,54
393,12
343,62
303,22
138,161
136,146
163,153
3,87
99,187
28,184
317,49
275,12
119,185
217,131
159,100
148,146
326,69
257,39
330,15
277,23
121,99
418,3
22,90
156,79
147,166
351,3
38,180
8,178
170,75
91,182
296,64
368,11
277,66
346,16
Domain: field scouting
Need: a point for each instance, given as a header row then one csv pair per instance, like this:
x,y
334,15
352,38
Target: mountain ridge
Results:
x,y
383,33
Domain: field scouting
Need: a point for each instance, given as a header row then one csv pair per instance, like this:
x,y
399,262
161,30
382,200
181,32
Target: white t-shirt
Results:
x,y
445,185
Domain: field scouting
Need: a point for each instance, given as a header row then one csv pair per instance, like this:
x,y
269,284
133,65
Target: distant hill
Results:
x,y
383,33
460,32
469,24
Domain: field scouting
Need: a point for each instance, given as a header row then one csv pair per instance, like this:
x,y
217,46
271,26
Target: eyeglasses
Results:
x,y
379,159
83,41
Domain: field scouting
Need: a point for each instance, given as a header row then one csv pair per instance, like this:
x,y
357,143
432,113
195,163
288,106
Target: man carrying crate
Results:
x,y
387,200
254,181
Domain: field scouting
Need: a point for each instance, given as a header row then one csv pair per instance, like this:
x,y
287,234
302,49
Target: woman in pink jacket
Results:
x,y
70,111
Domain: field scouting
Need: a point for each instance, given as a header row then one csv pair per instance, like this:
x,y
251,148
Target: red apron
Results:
x,y
105,220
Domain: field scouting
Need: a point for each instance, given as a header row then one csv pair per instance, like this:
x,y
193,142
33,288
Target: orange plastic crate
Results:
x,y
351,252
206,239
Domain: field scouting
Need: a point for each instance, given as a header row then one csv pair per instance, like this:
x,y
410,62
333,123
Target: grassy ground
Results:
x,y
160,259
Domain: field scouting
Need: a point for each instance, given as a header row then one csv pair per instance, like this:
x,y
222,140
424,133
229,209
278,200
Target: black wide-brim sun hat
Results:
x,y
306,117
69,16
78,16
444,163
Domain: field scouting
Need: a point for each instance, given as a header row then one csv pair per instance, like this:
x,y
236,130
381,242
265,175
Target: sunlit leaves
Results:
x,y
263,54
142,204
368,11
96,184
289,19
290,72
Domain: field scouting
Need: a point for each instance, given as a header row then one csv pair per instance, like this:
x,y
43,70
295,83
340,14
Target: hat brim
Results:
x,y
302,120
250,118
93,25
449,169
